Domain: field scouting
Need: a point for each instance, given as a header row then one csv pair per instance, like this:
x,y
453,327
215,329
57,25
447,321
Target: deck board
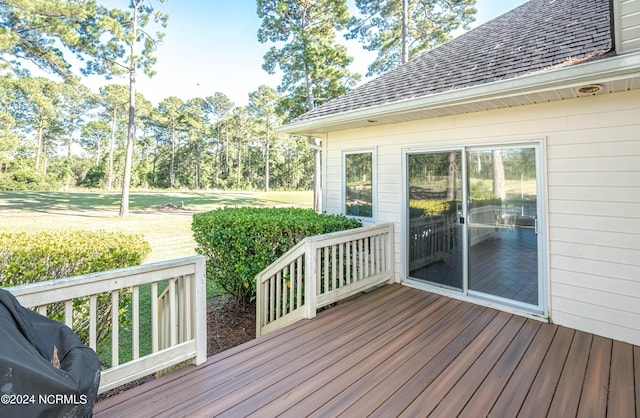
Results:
x,y
342,377
541,392
453,403
328,365
429,396
567,395
524,374
621,382
485,397
399,351
284,374
393,373
593,402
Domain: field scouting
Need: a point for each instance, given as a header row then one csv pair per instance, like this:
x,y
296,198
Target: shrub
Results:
x,y
28,258
418,208
241,242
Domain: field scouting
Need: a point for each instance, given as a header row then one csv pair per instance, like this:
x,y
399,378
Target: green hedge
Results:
x,y
241,242
419,208
28,258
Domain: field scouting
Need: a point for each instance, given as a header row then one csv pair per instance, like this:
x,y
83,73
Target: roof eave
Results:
x,y
597,71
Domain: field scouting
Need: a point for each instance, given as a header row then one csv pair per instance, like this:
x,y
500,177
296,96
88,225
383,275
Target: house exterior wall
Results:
x,y
627,23
592,170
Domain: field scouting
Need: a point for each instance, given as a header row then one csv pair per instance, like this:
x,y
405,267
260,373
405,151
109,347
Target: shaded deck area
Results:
x,y
399,351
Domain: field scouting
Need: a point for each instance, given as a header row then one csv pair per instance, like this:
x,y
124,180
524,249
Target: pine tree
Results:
x,y
402,29
315,66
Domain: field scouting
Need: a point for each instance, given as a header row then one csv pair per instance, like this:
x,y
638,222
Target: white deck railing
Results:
x,y
321,270
432,239
178,316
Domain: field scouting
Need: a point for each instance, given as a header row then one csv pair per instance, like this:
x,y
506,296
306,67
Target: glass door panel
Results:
x,y
435,208
502,221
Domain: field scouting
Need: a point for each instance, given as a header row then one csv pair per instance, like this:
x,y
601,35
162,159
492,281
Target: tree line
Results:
x,y
60,135
201,142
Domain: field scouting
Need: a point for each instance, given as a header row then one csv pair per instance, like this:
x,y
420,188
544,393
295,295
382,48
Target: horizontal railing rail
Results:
x,y
178,322
322,270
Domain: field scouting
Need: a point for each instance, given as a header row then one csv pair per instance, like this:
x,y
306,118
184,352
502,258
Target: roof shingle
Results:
x,y
537,36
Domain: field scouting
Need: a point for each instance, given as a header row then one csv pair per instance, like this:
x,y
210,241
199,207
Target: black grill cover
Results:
x,y
30,386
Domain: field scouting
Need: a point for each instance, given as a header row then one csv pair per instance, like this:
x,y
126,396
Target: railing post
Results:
x,y
200,311
391,254
310,260
259,305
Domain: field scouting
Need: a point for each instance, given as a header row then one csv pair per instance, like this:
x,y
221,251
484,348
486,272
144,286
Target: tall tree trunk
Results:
x,y
155,162
296,180
69,142
451,176
498,175
40,147
126,180
216,166
289,174
249,173
266,160
98,152
197,148
217,156
112,146
172,173
405,31
226,151
239,159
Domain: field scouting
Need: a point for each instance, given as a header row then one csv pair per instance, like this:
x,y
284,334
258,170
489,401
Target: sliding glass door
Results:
x,y
434,211
502,213
473,222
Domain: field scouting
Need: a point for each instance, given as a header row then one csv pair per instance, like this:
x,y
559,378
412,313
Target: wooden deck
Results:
x,y
399,351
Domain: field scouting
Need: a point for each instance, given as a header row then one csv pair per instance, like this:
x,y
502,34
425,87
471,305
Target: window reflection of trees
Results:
x,y
359,184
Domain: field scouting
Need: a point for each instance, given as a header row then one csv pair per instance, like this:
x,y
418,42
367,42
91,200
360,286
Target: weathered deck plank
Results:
x,y
399,351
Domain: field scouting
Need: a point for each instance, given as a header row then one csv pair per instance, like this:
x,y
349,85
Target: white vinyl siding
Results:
x,y
593,195
627,23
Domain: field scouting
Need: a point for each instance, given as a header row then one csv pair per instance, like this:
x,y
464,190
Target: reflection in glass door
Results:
x,y
434,209
472,219
502,221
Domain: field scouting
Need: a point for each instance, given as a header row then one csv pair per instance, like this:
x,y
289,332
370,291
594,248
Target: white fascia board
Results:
x,y
604,70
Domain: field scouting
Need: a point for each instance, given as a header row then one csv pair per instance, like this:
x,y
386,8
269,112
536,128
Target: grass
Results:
x,y
110,201
167,231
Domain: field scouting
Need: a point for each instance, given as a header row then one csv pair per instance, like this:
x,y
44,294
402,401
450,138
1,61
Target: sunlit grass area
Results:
x,y
167,231
161,218
108,201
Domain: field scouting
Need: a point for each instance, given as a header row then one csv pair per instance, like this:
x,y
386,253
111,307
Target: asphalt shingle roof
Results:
x,y
538,35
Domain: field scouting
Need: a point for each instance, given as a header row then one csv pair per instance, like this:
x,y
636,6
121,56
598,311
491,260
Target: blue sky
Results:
x,y
212,46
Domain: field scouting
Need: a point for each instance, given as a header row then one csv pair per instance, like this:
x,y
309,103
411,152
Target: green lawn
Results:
x,y
145,201
167,231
